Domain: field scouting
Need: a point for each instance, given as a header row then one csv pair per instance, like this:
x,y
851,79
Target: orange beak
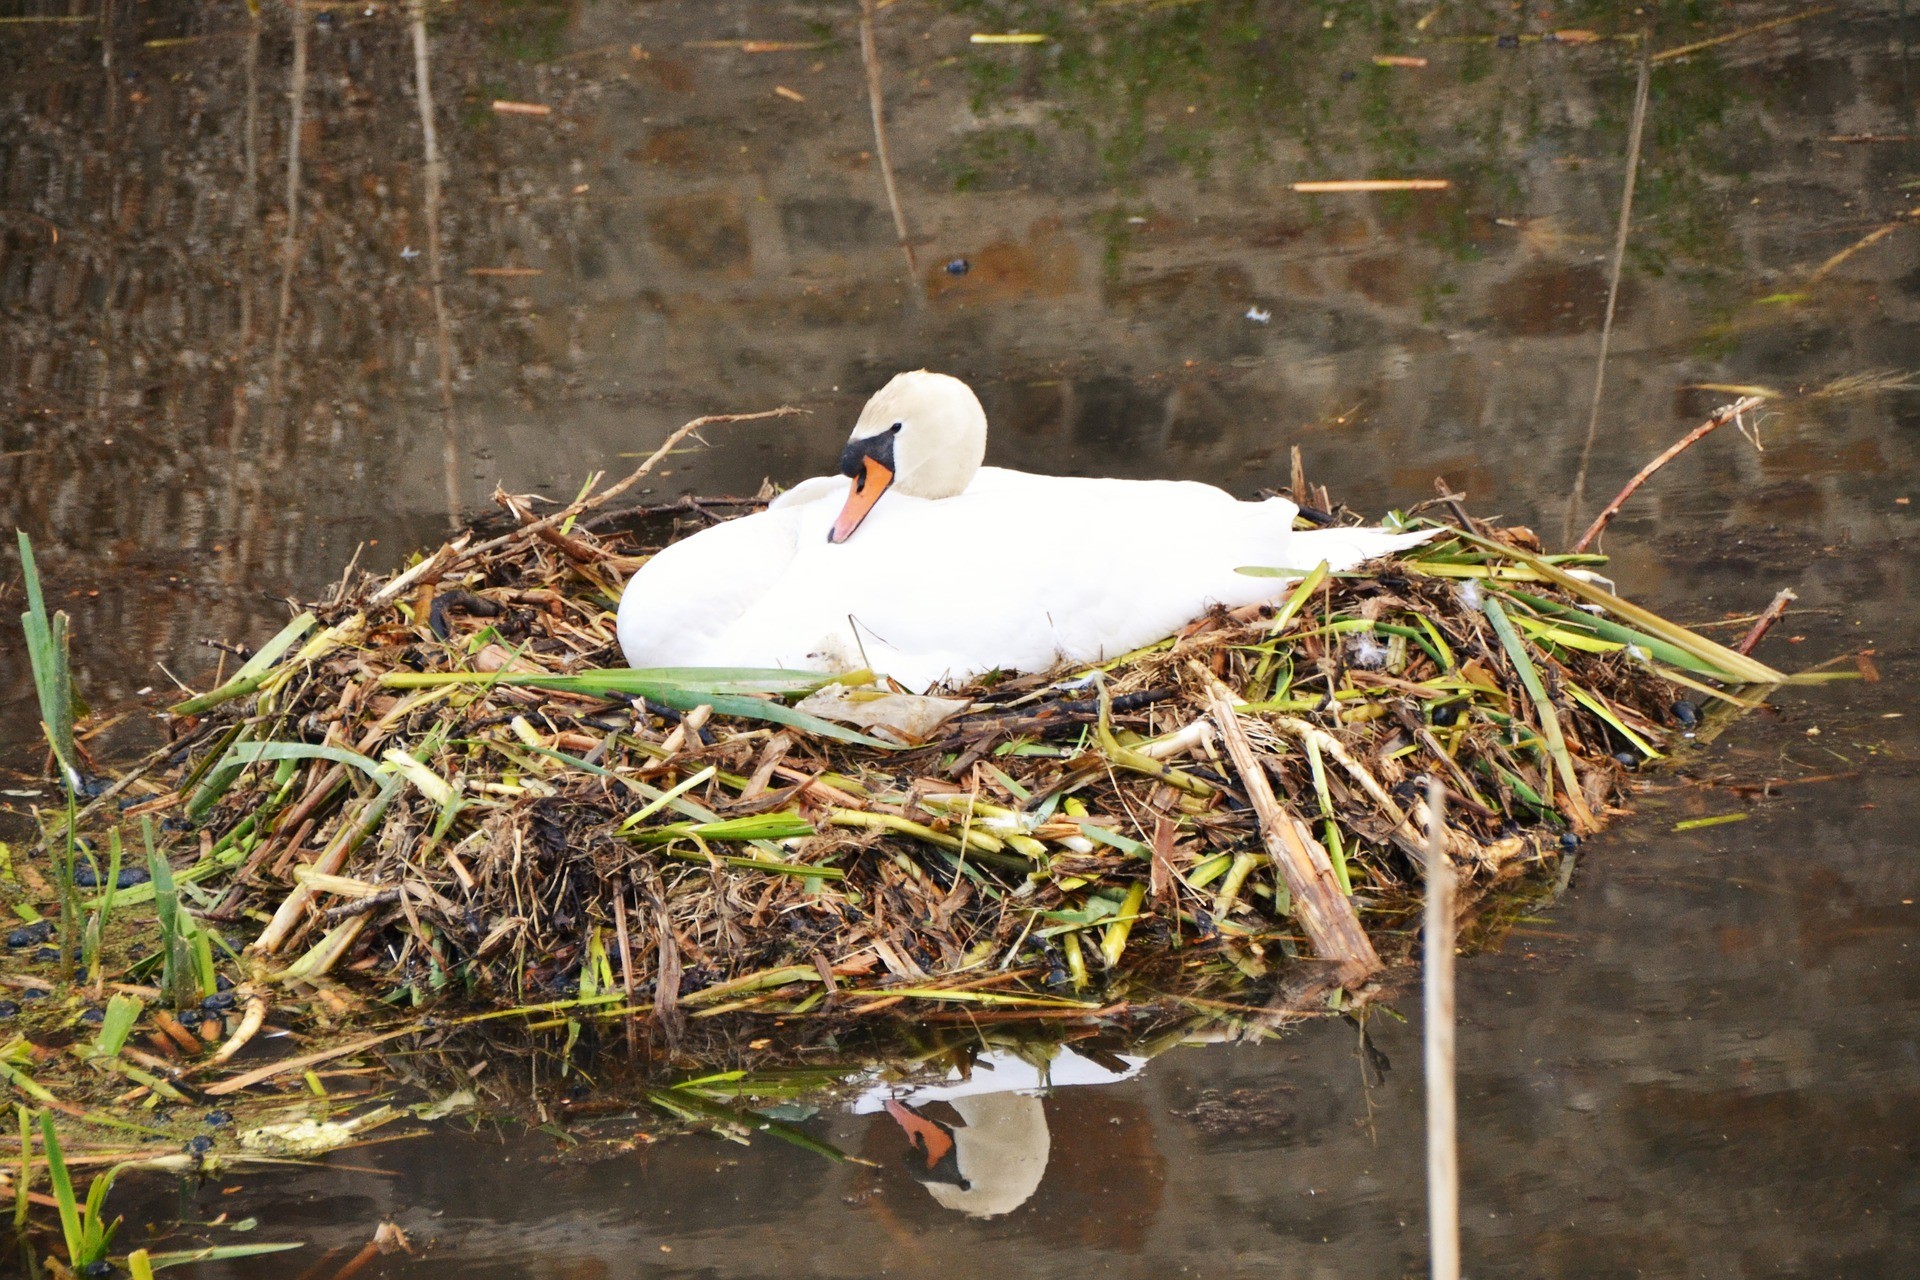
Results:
x,y
872,481
930,1139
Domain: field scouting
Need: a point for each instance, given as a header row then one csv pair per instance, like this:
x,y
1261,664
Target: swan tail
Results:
x,y
1345,548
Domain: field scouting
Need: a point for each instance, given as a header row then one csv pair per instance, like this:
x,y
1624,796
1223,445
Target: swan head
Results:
x,y
923,434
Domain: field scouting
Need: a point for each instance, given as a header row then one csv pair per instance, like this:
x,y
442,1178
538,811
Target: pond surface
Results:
x,y
1703,1061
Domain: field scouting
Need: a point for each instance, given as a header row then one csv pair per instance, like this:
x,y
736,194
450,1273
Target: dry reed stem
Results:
x,y
1634,134
1680,51
1325,914
1443,1160
247,1079
430,199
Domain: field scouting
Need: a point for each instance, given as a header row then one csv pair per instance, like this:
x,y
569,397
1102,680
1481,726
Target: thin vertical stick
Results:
x,y
430,144
1613,283
103,392
870,56
290,241
250,188
626,944
1443,1161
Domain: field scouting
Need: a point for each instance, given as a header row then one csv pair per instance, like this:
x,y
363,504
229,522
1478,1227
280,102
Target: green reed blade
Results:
x,y
1549,721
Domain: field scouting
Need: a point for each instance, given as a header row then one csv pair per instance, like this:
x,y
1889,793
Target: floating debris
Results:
x,y
1338,186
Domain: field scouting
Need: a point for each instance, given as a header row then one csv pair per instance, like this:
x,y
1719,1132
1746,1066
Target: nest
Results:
x,y
441,783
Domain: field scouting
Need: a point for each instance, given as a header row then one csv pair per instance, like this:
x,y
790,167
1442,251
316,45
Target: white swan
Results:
x,y
926,566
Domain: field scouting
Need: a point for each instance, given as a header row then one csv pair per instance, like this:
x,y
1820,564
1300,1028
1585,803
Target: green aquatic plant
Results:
x,y
47,651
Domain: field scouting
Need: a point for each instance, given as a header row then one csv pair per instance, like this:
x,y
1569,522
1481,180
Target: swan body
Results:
x,y
927,567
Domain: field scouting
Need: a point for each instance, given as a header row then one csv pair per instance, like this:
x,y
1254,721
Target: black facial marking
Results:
x,y
878,447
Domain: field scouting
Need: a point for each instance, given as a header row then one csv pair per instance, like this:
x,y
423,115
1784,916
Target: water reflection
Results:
x,y
1704,1061
992,1161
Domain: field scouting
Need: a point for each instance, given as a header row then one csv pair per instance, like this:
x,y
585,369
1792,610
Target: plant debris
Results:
x,y
436,784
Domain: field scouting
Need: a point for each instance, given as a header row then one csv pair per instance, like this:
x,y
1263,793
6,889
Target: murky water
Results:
x,y
1705,1061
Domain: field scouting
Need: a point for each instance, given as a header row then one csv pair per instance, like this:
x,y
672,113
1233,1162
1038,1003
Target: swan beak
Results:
x,y
930,1138
868,485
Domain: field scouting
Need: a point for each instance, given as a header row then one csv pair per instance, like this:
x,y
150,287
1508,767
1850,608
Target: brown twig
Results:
x,y
607,495
1764,623
1680,446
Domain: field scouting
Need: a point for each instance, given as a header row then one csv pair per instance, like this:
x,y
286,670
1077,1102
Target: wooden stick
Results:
x,y
1325,914
1693,437
1443,1158
1764,623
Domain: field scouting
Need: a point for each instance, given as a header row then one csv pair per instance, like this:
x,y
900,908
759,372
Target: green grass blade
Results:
x,y
98,1230
23,1182
251,673
1601,709
1608,629
1516,648
217,1253
122,1012
1301,594
248,752
729,695
70,1225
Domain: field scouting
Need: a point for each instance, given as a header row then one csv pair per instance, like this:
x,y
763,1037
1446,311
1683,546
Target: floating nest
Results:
x,y
441,784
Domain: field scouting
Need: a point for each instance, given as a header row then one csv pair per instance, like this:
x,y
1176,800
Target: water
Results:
x,y
1701,1062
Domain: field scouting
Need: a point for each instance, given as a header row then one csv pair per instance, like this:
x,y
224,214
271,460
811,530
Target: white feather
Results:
x,y
1015,572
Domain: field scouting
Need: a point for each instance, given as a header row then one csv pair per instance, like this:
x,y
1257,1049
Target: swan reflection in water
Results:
x,y
992,1161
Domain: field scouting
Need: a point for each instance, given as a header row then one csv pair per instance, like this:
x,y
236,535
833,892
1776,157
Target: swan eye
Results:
x,y
896,427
